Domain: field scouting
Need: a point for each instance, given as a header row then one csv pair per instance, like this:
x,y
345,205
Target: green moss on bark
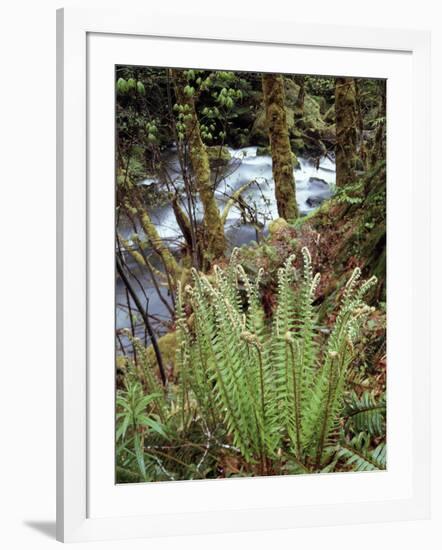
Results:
x,y
219,156
155,240
346,131
282,165
216,242
167,346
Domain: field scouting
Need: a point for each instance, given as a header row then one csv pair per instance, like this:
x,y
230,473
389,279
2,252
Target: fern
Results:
x,y
283,355
325,402
366,413
276,394
358,455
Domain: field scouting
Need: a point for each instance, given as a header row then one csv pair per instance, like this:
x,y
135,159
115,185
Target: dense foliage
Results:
x,y
270,395
249,363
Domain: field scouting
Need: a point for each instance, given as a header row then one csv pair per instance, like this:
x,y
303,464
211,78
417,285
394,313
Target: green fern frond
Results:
x,y
268,386
360,457
325,403
366,413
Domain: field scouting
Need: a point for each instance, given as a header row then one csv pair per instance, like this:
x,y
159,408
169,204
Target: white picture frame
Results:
x,y
89,505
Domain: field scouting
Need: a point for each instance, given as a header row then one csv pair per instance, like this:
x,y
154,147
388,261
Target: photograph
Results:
x,y
250,274
241,227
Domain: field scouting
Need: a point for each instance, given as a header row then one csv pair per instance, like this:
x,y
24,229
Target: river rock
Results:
x,y
315,201
317,183
320,192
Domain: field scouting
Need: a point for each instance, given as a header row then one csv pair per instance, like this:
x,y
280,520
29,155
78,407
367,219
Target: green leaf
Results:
x,y
360,457
366,413
154,425
140,88
122,86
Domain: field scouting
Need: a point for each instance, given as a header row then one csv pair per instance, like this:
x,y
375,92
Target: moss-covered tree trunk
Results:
x,y
346,130
216,241
183,221
136,208
282,165
378,151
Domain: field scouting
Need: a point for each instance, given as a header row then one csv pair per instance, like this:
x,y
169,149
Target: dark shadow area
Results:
x,y
45,527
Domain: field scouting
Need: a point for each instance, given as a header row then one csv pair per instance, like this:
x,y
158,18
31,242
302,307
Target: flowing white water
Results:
x,y
314,184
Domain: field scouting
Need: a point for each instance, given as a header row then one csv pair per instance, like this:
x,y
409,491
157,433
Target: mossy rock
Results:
x,y
291,90
330,117
321,101
312,114
218,156
167,345
259,133
277,225
263,151
121,362
295,161
297,145
312,120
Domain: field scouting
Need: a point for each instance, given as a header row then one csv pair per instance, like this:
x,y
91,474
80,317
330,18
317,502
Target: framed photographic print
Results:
x,y
242,291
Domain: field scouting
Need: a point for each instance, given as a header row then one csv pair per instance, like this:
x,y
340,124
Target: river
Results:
x,y
315,183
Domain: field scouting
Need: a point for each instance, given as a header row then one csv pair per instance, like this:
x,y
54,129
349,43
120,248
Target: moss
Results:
x,y
317,215
351,234
277,225
306,124
312,114
157,243
305,107
216,242
282,164
182,221
259,133
329,115
300,100
167,345
297,145
218,156
346,131
378,152
295,161
121,363
291,91
322,102
263,151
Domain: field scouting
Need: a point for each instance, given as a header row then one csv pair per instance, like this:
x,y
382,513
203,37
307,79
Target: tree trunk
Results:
x,y
346,130
135,207
282,165
183,221
216,242
378,152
